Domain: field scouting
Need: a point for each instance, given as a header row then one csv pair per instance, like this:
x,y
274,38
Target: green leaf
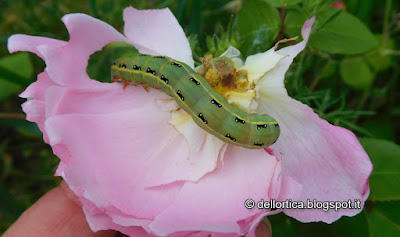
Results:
x,y
396,111
325,14
258,24
281,225
25,127
280,3
380,129
384,180
120,49
377,58
356,73
296,17
7,88
345,226
385,219
99,66
361,8
343,34
329,69
9,206
310,5
294,20
15,72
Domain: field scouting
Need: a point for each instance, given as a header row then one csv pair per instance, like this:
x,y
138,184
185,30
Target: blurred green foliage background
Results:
x,y
348,73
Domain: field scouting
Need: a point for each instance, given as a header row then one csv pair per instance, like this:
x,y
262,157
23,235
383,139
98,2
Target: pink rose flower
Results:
x,y
140,168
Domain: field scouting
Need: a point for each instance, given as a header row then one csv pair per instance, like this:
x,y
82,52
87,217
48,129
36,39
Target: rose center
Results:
x,y
225,79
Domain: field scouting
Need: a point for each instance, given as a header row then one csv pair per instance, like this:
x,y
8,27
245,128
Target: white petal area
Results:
x,y
242,100
259,64
157,32
199,141
234,55
272,84
231,52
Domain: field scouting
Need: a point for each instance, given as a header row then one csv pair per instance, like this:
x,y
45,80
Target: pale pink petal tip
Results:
x,y
306,29
157,32
20,42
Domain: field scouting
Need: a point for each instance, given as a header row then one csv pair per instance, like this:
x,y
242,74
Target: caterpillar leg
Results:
x,y
116,78
147,88
126,83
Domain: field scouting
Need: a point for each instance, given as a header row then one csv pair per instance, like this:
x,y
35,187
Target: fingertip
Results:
x,y
263,230
57,213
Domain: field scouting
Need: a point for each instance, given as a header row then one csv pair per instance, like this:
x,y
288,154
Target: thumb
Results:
x,y
263,230
57,213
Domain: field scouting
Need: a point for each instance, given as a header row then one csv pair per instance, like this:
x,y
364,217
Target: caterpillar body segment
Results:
x,y
209,109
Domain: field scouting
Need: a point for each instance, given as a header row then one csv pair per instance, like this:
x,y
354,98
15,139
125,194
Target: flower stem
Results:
x,y
298,72
12,116
386,34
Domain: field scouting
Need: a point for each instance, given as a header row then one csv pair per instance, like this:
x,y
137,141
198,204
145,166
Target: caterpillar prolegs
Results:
x,y
209,109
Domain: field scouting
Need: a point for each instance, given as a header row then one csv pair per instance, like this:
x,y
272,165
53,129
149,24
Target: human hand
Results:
x,y
57,213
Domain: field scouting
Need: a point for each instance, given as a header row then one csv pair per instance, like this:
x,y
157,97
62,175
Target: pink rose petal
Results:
x,y
35,107
326,160
30,43
157,32
219,197
67,65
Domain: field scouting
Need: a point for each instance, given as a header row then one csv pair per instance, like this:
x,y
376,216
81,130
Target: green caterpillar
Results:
x,y
209,109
